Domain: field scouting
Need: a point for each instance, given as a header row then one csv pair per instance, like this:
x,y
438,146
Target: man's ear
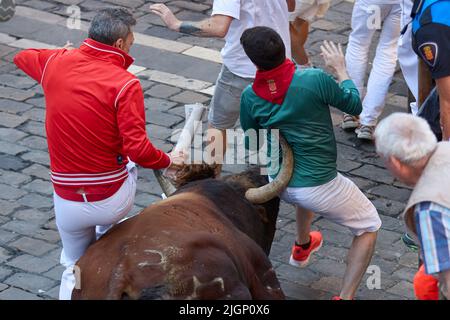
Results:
x,y
395,163
119,44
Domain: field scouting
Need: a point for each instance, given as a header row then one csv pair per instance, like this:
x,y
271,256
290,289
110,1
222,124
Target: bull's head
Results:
x,y
254,195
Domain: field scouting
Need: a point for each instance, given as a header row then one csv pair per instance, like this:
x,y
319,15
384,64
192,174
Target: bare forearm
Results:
x,y
443,86
199,29
445,118
216,26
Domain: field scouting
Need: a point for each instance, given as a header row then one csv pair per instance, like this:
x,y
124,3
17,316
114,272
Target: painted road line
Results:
x,y
23,43
27,44
208,91
140,38
159,43
175,80
134,69
204,53
5,39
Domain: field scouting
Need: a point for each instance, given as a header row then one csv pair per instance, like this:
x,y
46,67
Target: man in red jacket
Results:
x,y
95,123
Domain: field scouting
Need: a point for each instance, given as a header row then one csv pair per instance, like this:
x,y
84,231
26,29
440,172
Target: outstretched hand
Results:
x,y
166,15
68,46
334,59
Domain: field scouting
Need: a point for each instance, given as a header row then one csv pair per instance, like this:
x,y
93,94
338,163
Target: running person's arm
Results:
x,y
131,124
216,26
344,96
249,124
443,85
334,59
34,61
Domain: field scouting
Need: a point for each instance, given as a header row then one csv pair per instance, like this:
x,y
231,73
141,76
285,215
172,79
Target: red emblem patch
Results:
x,y
429,52
272,86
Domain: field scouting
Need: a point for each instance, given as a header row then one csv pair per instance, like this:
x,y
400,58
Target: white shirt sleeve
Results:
x,y
231,8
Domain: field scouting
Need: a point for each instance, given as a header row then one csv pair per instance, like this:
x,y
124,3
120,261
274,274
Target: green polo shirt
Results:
x,y
304,119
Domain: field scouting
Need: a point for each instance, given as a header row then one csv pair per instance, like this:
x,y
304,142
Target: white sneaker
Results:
x,y
365,132
349,122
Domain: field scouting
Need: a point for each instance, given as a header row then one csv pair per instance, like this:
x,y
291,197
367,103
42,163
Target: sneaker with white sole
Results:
x,y
350,122
300,257
365,132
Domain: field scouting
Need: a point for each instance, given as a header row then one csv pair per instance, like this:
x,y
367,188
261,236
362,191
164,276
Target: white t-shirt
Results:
x,y
249,14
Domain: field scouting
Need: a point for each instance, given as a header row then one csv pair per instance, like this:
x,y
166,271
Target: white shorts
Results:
x,y
82,223
339,201
309,10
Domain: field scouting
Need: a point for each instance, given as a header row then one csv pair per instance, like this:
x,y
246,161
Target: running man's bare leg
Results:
x,y
358,260
304,221
299,30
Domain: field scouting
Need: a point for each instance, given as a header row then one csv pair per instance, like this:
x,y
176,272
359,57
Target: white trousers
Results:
x,y
366,19
82,223
339,201
407,58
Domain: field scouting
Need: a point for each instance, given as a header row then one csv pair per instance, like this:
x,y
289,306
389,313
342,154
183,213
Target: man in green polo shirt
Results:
x,y
296,102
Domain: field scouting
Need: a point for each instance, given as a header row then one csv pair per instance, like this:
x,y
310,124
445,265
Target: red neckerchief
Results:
x,y
273,85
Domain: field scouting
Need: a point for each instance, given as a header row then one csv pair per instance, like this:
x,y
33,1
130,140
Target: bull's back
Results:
x,y
173,249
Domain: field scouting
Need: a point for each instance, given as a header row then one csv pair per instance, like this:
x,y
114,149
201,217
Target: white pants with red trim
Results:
x,y
82,223
365,18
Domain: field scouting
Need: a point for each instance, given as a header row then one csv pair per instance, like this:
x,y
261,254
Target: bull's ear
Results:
x,y
262,214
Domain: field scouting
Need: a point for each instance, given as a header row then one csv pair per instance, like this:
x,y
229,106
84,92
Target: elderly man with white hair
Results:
x,y
414,156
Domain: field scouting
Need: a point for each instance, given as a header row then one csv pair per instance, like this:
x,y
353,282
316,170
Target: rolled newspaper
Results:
x,y
194,116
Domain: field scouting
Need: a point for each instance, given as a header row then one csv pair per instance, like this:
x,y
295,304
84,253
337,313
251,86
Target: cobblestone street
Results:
x,y
175,70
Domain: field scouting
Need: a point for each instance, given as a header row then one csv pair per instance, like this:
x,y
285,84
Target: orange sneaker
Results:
x,y
300,257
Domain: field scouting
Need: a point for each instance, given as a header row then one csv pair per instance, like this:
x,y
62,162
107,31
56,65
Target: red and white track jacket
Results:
x,y
95,118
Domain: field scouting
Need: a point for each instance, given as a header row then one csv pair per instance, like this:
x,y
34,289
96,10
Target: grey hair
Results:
x,y
111,24
405,137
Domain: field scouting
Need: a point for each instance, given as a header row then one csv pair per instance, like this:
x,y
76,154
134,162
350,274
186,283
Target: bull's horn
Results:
x,y
166,186
273,189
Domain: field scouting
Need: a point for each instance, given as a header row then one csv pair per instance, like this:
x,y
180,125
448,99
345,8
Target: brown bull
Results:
x,y
206,241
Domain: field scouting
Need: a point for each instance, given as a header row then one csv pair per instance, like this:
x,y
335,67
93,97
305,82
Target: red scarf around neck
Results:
x,y
273,85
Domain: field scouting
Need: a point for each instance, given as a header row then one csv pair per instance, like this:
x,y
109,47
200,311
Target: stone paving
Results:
x,y
29,241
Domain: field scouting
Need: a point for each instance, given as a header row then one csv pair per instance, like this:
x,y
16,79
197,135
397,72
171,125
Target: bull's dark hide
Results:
x,y
204,242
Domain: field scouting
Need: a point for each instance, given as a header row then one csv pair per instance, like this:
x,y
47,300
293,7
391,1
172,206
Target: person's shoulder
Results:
x,y
248,92
311,76
310,72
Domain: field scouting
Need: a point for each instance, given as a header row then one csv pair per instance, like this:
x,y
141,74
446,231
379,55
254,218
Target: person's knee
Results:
x,y
370,231
369,234
370,222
